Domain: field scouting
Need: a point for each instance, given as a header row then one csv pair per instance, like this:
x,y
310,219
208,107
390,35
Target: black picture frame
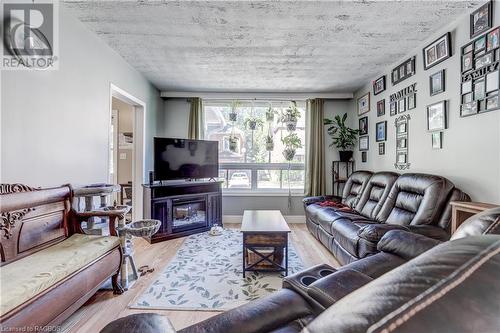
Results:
x,y
381,131
381,108
437,140
435,48
363,156
486,12
379,85
363,139
393,108
363,126
381,148
441,121
432,87
407,68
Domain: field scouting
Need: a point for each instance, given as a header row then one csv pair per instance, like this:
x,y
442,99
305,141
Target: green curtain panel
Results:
x,y
196,119
315,150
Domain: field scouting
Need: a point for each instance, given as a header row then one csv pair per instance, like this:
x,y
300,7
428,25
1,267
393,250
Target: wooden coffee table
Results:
x,y
265,241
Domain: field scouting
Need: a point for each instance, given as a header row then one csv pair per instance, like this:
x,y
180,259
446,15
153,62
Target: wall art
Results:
x,y
379,85
437,51
364,143
363,157
381,148
402,134
381,131
363,126
481,19
381,108
437,140
480,78
436,83
436,116
404,99
403,71
364,104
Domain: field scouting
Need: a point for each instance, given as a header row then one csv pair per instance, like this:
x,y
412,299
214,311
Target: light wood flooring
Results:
x,y
105,307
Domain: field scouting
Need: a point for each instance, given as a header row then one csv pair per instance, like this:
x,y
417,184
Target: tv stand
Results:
x,y
183,208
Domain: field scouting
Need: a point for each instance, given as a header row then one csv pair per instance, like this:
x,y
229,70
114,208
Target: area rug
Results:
x,y
206,274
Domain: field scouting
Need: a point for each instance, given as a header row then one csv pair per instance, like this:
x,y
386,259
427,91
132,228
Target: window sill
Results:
x,y
261,193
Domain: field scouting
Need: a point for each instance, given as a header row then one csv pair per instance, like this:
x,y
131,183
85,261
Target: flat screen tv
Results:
x,y
185,159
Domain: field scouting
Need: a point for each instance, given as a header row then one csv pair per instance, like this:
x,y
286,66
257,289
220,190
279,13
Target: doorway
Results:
x,y
126,149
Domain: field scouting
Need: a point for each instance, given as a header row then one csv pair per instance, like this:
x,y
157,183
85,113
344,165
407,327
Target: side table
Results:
x,y
462,210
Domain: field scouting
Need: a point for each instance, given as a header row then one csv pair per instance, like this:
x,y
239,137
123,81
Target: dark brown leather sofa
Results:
x,y
381,202
49,267
414,284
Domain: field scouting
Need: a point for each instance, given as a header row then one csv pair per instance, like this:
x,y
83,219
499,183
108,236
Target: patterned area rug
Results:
x,y
206,274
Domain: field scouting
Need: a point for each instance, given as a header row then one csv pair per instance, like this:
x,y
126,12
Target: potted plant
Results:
x,y
291,116
233,143
270,114
343,137
253,122
291,142
269,143
232,113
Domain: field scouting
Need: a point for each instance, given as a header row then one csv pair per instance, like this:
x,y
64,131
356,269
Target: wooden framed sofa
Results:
x,y
49,267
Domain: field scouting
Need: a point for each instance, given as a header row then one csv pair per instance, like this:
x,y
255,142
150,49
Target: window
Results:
x,y
245,164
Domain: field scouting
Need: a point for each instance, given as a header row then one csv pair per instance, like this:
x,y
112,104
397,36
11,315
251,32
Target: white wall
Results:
x,y
471,146
175,124
55,124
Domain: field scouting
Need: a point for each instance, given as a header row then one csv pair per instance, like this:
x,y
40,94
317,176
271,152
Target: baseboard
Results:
x,y
231,219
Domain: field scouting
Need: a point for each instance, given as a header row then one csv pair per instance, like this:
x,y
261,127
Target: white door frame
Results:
x,y
139,151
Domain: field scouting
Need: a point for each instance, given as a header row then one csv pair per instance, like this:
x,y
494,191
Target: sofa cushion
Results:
x,y
312,212
375,193
354,186
25,278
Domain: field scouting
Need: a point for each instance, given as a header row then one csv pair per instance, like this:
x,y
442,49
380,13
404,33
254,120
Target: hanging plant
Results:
x,y
291,142
290,117
253,122
233,144
269,143
270,114
232,114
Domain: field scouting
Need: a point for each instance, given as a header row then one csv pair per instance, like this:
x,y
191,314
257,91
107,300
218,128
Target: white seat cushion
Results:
x,y
25,278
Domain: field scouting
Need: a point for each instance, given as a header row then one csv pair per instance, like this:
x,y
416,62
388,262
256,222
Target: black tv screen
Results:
x,y
185,159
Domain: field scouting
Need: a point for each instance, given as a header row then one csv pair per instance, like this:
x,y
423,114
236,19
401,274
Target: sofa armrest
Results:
x,y
331,288
430,231
140,323
374,232
404,244
310,200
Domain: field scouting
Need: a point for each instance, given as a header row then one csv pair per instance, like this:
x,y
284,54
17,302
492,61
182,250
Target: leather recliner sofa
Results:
x,y
434,282
380,202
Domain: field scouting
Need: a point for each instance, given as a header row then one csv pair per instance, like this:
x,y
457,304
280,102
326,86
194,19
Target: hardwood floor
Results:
x,y
105,307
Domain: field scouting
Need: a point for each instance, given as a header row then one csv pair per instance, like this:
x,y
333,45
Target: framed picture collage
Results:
x,y
480,74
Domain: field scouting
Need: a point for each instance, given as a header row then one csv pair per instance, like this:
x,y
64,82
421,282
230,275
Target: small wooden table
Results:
x,y
462,210
265,240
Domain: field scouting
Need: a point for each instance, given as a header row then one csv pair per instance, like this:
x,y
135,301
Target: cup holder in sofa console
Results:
x,y
325,272
307,280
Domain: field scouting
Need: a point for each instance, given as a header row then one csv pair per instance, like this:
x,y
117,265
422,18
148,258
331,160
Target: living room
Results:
x,y
285,162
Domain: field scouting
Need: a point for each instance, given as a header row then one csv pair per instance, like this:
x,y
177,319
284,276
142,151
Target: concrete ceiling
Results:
x,y
264,46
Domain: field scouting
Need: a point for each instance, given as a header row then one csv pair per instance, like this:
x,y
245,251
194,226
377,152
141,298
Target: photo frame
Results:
x,y
379,85
402,134
393,108
363,126
364,104
381,131
363,156
402,105
468,109
437,83
437,140
437,51
381,148
411,101
364,143
481,19
493,39
381,108
436,116
403,71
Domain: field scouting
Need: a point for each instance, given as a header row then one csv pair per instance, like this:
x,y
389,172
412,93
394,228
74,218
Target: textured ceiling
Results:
x,y
266,46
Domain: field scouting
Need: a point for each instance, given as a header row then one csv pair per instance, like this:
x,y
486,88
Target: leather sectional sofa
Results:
x,y
413,284
375,203
49,267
